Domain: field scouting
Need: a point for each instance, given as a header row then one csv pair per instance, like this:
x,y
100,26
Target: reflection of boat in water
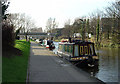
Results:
x,y
78,52
91,70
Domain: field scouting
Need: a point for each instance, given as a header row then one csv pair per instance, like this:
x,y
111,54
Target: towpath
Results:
x,y
44,66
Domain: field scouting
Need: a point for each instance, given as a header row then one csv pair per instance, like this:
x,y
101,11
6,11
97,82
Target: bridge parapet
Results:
x,y
30,33
40,34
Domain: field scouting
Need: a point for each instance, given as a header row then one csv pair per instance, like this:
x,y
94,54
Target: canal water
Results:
x,y
107,71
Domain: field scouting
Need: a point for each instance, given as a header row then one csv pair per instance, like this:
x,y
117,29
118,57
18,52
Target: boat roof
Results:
x,y
66,43
76,42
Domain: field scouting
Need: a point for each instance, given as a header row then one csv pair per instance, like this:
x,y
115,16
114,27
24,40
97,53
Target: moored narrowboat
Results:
x,y
78,51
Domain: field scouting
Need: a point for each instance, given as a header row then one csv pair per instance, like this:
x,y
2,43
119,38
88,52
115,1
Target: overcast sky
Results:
x,y
62,10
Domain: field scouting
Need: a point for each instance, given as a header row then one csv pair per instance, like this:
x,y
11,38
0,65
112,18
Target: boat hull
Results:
x,y
85,61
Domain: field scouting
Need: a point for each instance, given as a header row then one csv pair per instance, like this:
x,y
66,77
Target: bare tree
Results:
x,y
114,9
51,24
67,28
113,12
29,24
21,23
18,20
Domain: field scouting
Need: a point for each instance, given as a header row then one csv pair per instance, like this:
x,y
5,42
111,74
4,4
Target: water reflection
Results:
x,y
107,70
108,64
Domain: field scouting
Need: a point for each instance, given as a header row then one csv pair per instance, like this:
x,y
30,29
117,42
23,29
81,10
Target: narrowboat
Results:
x,y
78,51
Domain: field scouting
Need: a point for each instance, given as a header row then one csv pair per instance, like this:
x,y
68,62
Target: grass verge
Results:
x,y
14,69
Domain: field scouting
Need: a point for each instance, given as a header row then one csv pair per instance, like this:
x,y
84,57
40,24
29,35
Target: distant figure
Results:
x,y
51,45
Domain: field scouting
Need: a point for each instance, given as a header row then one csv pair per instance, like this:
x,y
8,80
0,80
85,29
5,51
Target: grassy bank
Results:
x,y
110,45
14,69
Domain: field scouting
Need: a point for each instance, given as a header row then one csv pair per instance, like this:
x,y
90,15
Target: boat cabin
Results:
x,y
77,51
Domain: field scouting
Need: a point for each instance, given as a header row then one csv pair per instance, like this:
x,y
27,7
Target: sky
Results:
x,y
62,10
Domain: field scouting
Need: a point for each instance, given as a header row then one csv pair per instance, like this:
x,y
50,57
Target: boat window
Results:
x,y
81,50
76,50
70,49
91,49
86,50
65,47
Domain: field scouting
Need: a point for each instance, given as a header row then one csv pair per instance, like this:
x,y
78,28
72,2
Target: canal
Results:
x,y
107,71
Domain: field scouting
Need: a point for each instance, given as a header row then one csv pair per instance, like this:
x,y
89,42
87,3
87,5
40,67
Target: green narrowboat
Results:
x,y
78,52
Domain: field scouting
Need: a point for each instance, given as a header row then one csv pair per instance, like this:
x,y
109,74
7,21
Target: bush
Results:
x,y
8,36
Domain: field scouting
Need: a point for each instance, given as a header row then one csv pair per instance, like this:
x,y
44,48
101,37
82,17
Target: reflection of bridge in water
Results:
x,y
37,35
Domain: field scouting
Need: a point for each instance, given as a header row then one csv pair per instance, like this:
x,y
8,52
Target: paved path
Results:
x,y
44,66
